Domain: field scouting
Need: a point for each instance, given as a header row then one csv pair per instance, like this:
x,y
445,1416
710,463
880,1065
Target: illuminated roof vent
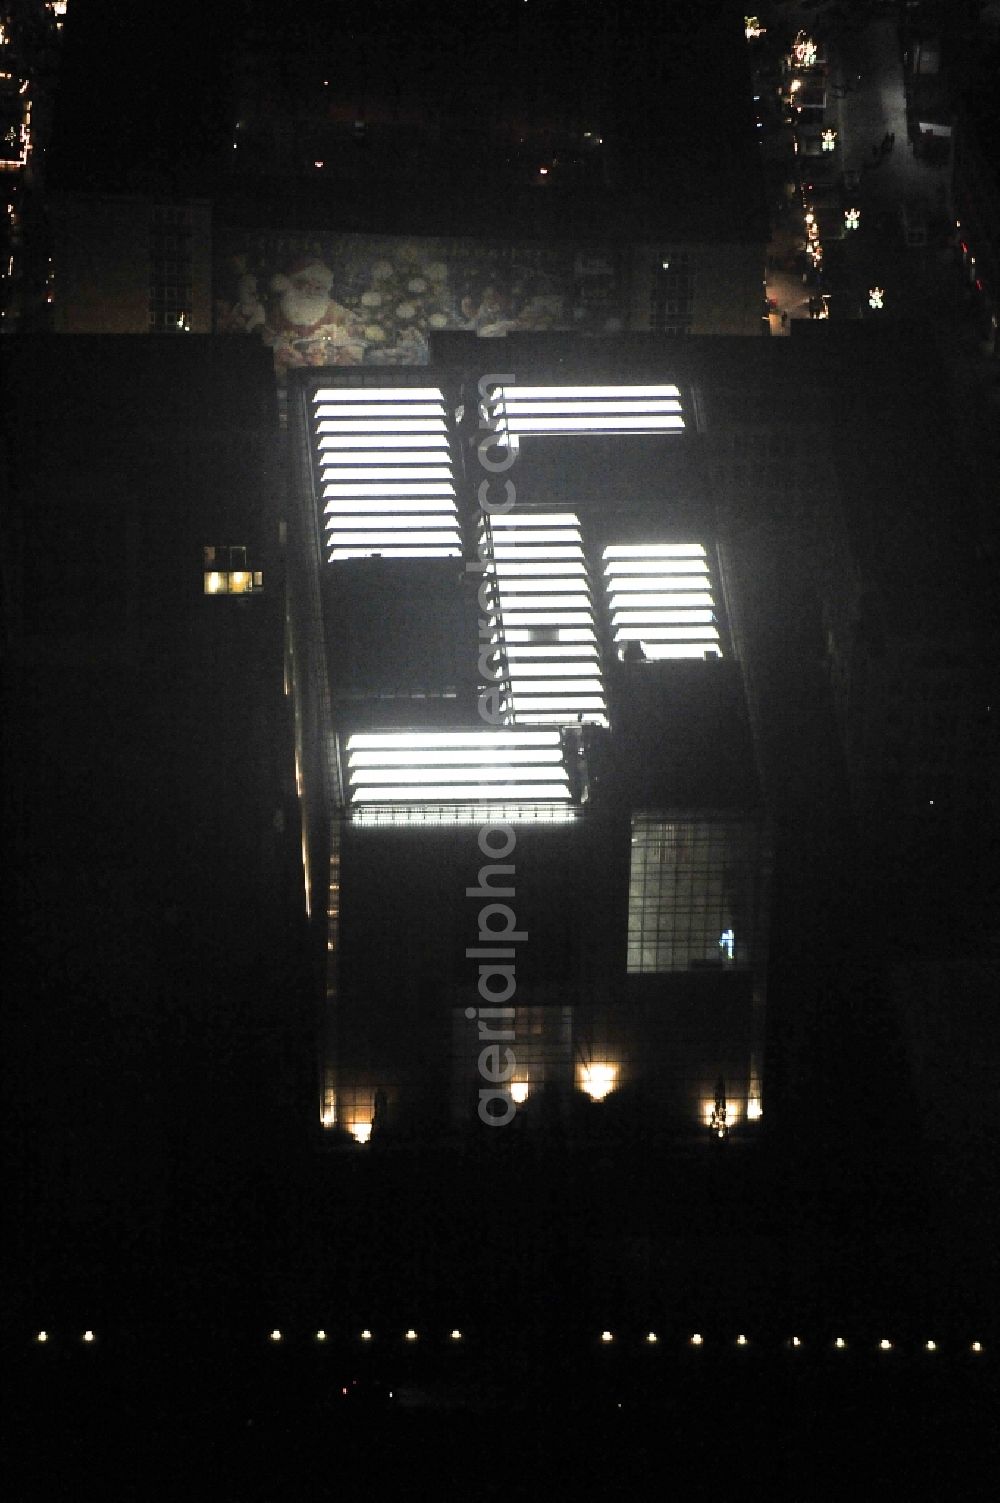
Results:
x,y
543,618
660,595
385,472
523,411
481,766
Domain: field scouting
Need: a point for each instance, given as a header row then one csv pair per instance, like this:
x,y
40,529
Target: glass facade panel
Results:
x,y
693,889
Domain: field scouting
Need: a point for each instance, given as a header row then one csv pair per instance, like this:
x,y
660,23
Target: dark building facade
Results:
x,y
687,585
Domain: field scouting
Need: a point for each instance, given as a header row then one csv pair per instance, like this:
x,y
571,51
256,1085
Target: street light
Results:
x,y
875,297
852,219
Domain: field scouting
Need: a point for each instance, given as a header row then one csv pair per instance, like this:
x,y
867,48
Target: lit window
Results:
x,y
226,572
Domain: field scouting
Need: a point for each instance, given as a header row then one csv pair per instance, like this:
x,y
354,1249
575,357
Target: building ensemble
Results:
x,y
532,831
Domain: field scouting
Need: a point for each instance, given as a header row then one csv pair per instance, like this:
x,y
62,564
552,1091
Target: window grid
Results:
x,y
691,894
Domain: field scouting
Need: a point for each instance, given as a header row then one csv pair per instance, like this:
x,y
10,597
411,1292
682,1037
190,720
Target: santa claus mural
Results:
x,y
306,325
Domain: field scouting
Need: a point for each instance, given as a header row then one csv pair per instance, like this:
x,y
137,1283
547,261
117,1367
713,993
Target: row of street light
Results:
x,y
607,1338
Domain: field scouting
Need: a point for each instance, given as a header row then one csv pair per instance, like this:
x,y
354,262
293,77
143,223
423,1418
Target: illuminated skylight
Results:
x,y
468,767
660,596
521,411
385,473
542,618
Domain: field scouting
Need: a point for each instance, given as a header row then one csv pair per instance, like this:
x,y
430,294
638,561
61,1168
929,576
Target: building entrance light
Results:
x,y
598,1080
719,1121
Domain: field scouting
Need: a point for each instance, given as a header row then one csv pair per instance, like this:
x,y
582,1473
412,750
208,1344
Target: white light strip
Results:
x,y
382,473
528,590
512,550
516,652
467,756
662,652
530,520
333,443
527,687
343,525
567,710
368,777
513,603
680,591
514,569
542,669
666,634
344,553
525,426
656,566
398,426
596,393
653,550
525,539
671,598
394,410
548,618
376,540
663,618
515,408
391,488
444,740
377,394
371,462
392,506
440,793
518,634
541,717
